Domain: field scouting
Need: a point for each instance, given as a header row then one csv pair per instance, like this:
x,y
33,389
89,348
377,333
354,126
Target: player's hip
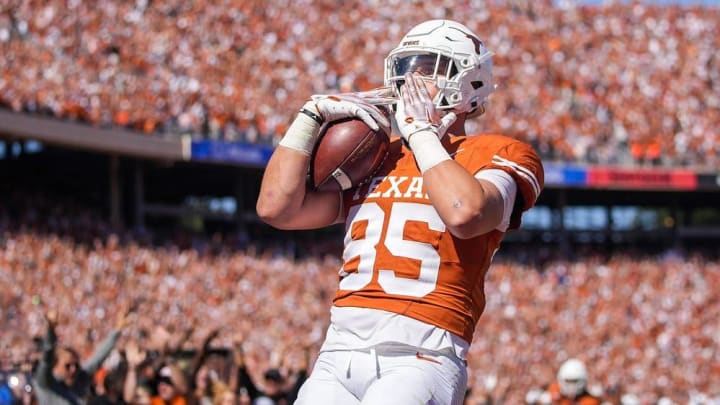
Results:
x,y
390,374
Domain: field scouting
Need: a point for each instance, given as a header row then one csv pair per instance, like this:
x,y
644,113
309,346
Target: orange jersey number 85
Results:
x,y
366,248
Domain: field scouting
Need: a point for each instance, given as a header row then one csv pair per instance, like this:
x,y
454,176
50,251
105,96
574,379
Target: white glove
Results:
x,y
420,124
416,111
381,96
338,106
303,132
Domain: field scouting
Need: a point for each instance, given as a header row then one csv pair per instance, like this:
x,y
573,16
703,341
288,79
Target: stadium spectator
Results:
x,y
60,378
112,389
136,388
199,376
223,395
278,385
171,387
16,390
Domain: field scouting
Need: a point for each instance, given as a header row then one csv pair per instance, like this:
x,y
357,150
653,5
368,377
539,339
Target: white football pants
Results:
x,y
395,376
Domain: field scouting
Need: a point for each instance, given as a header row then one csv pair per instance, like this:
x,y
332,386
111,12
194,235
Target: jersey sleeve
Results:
x,y
520,161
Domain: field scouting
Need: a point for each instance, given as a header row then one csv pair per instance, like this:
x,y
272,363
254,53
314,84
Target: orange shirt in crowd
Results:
x,y
178,400
559,399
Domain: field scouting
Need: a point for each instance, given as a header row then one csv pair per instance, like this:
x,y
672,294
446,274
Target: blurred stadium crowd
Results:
x,y
625,83
225,323
646,326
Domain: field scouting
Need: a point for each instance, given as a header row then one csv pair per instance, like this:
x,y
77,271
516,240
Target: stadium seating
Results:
x,y
645,325
625,83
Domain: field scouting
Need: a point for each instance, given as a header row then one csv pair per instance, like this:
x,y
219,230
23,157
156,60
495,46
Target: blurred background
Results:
x,y
133,135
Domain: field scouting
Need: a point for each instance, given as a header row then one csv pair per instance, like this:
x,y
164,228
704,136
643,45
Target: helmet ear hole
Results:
x,y
477,110
476,84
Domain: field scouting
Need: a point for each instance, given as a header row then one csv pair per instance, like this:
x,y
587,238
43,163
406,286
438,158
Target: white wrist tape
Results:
x,y
428,150
303,132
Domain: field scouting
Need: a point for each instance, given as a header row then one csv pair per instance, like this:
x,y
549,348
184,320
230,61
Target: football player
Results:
x,y
420,235
571,385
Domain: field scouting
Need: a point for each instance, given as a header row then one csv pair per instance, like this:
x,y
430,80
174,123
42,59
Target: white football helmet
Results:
x,y
572,378
629,399
452,55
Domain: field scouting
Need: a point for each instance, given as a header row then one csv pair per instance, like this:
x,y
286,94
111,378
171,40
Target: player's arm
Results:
x,y
467,205
493,198
284,201
470,204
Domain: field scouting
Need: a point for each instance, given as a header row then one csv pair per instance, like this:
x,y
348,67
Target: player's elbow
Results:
x,y
460,223
278,216
467,230
271,214
470,230
276,222
471,222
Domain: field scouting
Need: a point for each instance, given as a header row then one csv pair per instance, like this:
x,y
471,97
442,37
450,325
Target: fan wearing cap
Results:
x,y
171,387
61,378
276,386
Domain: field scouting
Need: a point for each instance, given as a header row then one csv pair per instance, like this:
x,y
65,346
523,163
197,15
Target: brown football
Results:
x,y
346,155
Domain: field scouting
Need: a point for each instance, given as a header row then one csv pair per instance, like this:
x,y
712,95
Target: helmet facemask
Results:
x,y
435,68
572,387
572,378
439,69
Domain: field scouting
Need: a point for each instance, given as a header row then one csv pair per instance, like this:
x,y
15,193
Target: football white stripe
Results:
x,y
530,178
342,178
529,181
518,167
522,171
